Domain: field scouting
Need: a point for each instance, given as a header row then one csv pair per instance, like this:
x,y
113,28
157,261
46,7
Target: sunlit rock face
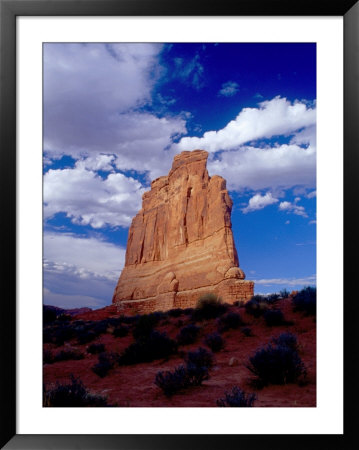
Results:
x,y
180,244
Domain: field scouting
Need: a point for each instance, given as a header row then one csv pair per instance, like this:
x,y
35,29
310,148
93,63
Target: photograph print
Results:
x,y
179,225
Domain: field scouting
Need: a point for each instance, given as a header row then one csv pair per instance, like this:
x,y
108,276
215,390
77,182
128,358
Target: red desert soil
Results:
x,y
134,385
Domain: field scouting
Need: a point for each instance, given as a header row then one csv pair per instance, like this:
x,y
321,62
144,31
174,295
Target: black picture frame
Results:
x,y
9,10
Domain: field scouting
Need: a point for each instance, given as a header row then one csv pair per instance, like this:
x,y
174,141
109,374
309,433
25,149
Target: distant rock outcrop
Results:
x,y
180,244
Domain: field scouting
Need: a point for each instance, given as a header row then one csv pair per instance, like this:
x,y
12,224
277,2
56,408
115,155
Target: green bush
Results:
x,y
209,306
229,321
286,340
284,293
188,334
149,348
121,331
237,398
274,318
175,312
247,331
172,382
214,341
257,306
47,357
200,358
72,394
95,348
106,362
145,325
194,373
66,355
306,300
276,364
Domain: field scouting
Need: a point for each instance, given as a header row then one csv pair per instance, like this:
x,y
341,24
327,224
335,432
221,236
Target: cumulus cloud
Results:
x,y
90,200
310,280
92,99
254,168
229,89
84,257
259,201
80,271
293,208
273,117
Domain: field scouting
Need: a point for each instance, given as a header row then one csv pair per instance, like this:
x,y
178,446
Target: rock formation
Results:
x,y
180,244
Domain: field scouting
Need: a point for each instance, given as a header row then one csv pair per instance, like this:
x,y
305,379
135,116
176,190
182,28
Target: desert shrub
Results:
x,y
172,382
272,298
287,340
247,331
176,312
72,394
306,300
209,306
229,321
47,357
145,325
129,320
49,314
84,336
274,317
121,331
257,306
95,348
58,334
149,348
188,311
276,364
63,317
237,398
66,355
115,321
200,358
194,373
284,293
214,341
106,362
188,334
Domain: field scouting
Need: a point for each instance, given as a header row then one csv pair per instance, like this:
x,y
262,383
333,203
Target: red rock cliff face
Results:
x,y
180,244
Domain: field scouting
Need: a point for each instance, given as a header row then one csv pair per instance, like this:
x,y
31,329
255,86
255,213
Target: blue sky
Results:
x,y
116,114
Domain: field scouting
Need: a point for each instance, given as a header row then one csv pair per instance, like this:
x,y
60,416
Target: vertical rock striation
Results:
x,y
180,244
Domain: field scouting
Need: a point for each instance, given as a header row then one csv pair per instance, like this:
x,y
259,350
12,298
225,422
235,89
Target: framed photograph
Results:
x,y
174,178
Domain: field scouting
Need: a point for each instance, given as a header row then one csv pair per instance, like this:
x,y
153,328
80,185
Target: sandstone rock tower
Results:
x,y
180,244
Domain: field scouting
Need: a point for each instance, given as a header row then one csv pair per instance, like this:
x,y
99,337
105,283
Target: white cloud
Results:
x,y
293,208
80,271
72,301
90,200
84,257
310,280
253,168
273,117
191,72
97,162
92,99
259,201
229,89
312,194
